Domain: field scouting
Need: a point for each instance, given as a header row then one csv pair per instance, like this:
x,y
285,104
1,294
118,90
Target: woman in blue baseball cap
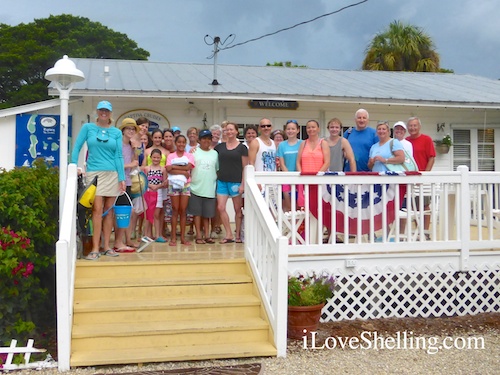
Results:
x,y
104,160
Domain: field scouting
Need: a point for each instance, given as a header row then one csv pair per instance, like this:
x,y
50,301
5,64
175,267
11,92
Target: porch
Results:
x,y
384,267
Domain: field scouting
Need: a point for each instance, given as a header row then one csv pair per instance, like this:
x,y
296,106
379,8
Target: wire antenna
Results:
x,y
215,41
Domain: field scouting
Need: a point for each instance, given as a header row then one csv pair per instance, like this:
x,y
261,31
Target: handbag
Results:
x,y
409,165
88,195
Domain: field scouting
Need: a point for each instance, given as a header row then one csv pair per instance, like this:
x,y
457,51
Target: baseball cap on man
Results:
x,y
205,133
399,123
176,129
105,105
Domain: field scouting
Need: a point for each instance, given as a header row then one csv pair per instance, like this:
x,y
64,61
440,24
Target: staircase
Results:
x,y
169,310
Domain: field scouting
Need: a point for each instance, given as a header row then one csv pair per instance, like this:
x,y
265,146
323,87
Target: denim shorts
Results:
x,y
228,188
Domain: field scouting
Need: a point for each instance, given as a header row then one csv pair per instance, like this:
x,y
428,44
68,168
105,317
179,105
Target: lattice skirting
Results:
x,y
414,294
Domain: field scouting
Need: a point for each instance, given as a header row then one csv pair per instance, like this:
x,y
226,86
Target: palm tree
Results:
x,y
402,47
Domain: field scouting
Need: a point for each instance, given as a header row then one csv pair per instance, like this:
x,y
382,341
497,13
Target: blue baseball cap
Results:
x,y
205,133
176,129
105,105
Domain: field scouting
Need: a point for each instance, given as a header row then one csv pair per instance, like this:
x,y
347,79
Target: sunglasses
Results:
x,y
265,126
294,121
102,136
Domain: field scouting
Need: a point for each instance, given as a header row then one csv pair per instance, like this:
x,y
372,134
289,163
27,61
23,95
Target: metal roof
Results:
x,y
163,79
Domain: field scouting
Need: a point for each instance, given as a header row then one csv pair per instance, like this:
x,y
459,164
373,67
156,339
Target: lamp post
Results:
x,y
64,75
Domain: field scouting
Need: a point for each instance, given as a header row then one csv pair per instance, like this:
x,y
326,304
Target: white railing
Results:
x,y
461,202
265,250
27,350
385,266
66,251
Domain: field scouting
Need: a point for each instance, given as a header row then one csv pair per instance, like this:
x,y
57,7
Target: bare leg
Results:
x,y
238,203
175,199
224,217
183,202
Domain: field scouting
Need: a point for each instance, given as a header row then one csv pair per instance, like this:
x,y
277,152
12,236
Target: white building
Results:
x,y
465,106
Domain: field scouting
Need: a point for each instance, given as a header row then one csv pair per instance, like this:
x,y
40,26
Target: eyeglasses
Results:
x,y
130,129
265,125
294,121
102,136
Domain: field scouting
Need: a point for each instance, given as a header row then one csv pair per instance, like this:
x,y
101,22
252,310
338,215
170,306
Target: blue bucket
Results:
x,y
122,213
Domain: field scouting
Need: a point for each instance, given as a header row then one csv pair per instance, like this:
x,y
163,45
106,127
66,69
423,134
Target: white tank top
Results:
x,y
265,161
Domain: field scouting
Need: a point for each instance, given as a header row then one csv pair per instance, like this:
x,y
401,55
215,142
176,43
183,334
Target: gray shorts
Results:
x,y
201,206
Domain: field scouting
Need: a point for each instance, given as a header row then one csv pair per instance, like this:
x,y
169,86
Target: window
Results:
x,y
474,148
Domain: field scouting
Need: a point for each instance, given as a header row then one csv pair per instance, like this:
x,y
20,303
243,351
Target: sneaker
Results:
x,y
161,240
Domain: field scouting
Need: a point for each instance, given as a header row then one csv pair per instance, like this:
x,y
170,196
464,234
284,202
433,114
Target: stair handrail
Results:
x,y
66,250
267,254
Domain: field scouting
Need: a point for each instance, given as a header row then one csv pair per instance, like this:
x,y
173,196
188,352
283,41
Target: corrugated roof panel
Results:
x,y
174,78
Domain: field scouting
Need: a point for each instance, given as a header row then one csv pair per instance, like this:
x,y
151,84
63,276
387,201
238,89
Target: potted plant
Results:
x,y
307,294
443,145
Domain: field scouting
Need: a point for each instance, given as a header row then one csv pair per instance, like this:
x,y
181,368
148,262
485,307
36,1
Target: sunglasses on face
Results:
x,y
265,126
102,136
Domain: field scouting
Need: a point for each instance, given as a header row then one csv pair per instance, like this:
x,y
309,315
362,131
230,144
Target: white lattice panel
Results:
x,y
409,292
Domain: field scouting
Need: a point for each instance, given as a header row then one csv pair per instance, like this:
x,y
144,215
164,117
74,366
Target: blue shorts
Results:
x,y
228,188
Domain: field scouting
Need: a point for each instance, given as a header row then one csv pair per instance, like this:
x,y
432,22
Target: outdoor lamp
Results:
x,y
64,75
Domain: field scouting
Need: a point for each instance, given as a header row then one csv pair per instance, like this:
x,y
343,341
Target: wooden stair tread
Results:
x,y
116,262
161,280
170,303
165,354
166,327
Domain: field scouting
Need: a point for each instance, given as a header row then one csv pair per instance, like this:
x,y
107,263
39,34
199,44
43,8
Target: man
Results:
x,y
424,155
262,150
202,202
361,138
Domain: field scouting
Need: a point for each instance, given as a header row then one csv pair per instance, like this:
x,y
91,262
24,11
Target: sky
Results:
x,y
465,32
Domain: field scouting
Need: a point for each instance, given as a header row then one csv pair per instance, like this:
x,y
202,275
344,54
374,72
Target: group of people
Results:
x,y
198,174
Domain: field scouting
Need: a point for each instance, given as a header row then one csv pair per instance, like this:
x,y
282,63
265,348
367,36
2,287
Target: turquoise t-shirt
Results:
x,y
289,154
105,149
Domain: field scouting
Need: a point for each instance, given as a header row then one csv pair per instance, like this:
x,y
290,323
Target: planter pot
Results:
x,y
443,149
302,318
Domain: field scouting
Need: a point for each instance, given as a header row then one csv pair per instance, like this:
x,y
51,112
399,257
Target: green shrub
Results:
x,y
28,211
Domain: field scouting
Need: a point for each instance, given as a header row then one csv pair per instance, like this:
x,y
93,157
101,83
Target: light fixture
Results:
x,y
192,110
64,75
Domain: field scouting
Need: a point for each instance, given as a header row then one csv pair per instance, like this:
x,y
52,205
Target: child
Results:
x,y
179,165
287,154
154,198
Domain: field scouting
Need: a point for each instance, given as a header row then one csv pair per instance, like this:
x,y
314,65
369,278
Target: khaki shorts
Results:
x,y
107,183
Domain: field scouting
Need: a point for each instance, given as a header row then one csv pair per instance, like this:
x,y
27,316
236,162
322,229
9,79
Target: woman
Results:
x,y
157,137
130,144
179,165
340,148
168,140
250,133
313,157
105,160
386,151
287,153
233,157
216,131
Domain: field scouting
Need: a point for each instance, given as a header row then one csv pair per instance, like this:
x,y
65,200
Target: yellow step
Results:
x,y
166,309
132,270
164,354
160,292
177,333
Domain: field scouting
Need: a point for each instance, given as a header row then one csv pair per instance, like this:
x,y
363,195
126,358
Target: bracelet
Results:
x,y
386,161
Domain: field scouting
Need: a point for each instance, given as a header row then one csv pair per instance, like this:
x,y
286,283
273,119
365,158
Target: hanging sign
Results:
x,y
156,119
273,104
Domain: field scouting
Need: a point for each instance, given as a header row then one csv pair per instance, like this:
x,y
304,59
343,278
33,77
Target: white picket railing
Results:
x,y
66,250
27,350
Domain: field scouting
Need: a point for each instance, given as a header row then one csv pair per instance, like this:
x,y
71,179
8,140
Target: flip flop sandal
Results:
x,y
110,253
124,249
200,241
93,255
209,240
227,240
